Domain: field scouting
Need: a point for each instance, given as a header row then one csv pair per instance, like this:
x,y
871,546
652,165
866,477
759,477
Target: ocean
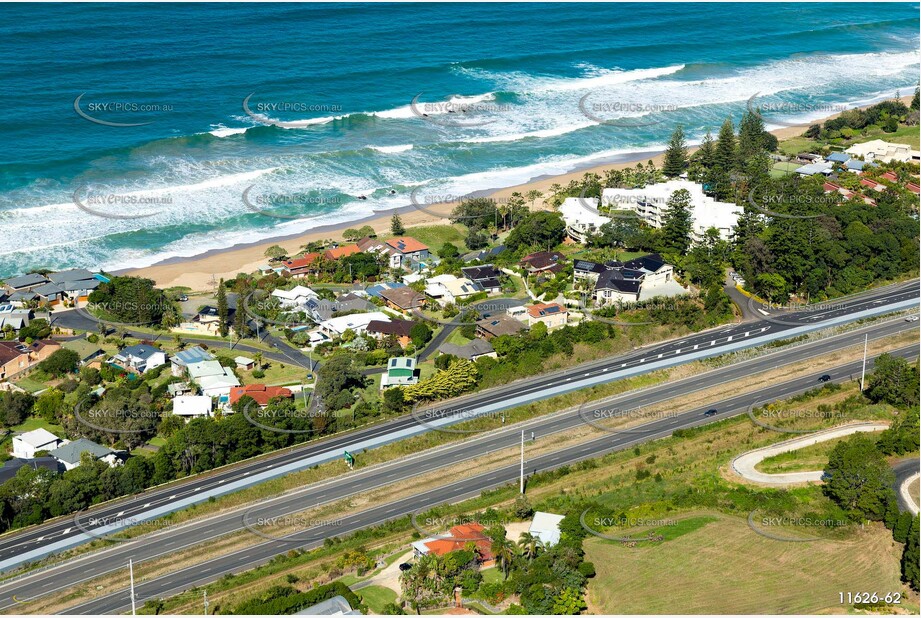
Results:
x,y
138,132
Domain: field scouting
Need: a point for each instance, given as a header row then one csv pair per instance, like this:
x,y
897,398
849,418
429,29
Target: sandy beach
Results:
x,y
199,272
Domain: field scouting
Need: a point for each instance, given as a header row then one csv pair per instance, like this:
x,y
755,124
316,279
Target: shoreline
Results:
x,y
199,271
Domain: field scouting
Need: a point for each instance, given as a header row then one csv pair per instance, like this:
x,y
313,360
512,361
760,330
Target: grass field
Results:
x,y
725,568
904,135
783,168
33,423
808,458
436,235
376,597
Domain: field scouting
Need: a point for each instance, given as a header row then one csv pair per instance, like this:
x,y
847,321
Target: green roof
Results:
x,y
82,347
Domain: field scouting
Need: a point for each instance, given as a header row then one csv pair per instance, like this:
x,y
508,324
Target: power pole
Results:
x,y
131,577
863,371
522,461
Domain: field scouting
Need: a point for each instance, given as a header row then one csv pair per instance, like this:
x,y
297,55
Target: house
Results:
x,y
459,537
192,406
42,349
181,360
395,328
335,606
587,270
403,299
405,251
11,467
356,322
913,187
376,289
179,388
371,245
486,276
295,297
24,283
882,151
807,157
838,157
448,289
13,318
613,287
470,351
76,284
320,310
260,393
302,266
14,358
341,252
401,371
872,184
582,218
244,362
857,166
483,254
140,357
654,269
27,444
650,203
498,325
88,352
206,322
69,454
212,378
553,315
542,261
546,527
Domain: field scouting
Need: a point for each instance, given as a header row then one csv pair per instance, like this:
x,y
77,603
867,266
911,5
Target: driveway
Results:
x,y
745,463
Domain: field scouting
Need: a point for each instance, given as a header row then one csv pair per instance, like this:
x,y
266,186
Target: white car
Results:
x,y
911,318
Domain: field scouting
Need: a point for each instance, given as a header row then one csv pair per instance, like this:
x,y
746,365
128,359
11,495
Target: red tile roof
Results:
x,y
301,262
890,175
341,252
406,244
259,392
461,535
914,188
541,310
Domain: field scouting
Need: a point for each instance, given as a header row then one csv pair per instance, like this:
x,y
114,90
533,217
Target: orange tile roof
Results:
x,y
259,392
341,252
301,262
540,310
461,536
406,244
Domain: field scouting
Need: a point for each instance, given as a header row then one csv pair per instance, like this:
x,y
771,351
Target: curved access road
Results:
x,y
744,464
906,473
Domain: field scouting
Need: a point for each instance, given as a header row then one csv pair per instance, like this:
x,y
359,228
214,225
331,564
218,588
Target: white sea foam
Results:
x,y
222,131
392,149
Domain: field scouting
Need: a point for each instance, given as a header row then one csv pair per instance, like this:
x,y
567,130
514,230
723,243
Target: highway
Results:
x,y
361,481
32,543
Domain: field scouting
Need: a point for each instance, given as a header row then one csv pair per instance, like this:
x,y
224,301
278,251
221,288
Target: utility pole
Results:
x,y
522,461
131,577
863,371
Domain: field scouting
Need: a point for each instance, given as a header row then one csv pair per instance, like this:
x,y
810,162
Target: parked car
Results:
x,y
183,298
405,566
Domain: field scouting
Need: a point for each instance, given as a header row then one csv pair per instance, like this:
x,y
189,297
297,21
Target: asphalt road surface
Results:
x,y
13,545
49,581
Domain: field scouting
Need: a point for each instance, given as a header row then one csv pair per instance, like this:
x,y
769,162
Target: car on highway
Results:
x,y
710,412
911,318
824,377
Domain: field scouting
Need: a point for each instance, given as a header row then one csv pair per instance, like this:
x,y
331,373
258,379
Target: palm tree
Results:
x,y
258,358
530,545
503,553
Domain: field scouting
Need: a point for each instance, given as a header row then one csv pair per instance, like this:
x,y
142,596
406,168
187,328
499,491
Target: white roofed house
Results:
x,y
192,406
26,445
212,378
882,151
448,289
651,204
295,297
181,360
582,217
356,322
140,357
546,527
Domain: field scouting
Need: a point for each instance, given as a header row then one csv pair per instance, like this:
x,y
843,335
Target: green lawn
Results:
x,y
806,459
33,423
376,597
491,575
436,235
31,385
904,135
277,374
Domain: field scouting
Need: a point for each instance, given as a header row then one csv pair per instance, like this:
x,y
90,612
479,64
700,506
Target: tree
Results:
x,y
724,160
366,230
751,137
894,381
351,234
676,155
275,252
393,401
421,334
396,225
239,319
60,363
222,309
449,251
502,550
910,555
859,478
677,223
541,230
